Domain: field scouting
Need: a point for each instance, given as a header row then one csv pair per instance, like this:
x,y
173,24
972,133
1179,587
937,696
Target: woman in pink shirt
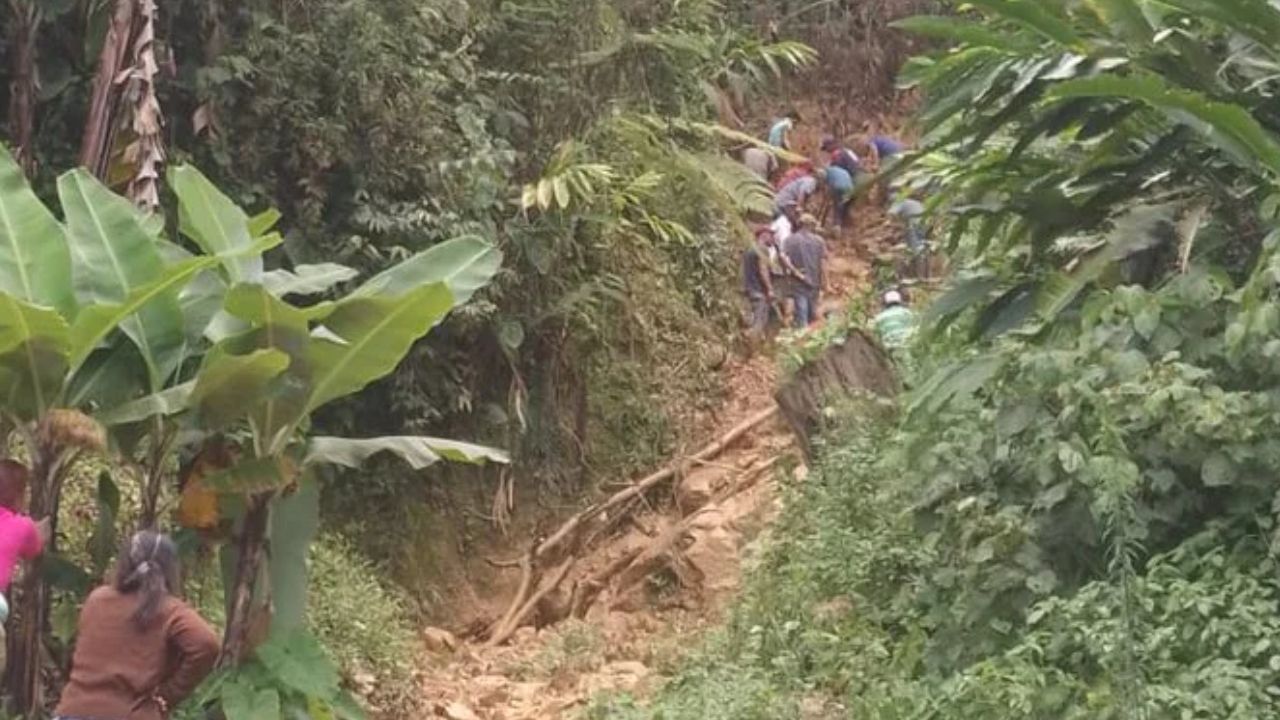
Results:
x,y
20,537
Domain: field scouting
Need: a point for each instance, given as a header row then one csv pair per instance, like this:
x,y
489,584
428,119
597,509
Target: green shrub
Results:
x,y
365,626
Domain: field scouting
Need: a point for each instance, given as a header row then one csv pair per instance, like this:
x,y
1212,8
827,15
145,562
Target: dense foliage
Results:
x,y
1073,515
580,138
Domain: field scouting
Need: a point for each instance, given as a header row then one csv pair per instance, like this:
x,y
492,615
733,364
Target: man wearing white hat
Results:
x,y
895,322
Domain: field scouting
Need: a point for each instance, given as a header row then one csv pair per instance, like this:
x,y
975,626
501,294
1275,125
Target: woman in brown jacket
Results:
x,y
139,650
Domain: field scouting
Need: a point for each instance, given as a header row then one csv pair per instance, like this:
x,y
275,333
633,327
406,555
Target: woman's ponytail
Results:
x,y
148,567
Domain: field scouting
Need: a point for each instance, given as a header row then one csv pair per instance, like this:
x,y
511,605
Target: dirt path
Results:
x,y
637,630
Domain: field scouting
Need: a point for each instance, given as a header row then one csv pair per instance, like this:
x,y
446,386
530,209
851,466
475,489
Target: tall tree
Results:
x,y
23,80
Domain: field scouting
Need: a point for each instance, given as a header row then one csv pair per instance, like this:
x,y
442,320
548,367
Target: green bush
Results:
x,y
365,625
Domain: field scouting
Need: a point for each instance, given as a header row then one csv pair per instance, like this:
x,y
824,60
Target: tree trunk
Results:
x,y
31,605
856,365
100,124
249,563
22,83
146,154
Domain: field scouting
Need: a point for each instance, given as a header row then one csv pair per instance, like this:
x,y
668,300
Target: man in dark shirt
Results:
x,y
807,252
756,282
841,156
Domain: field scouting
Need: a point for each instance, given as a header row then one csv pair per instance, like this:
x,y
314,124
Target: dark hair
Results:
x,y
148,565
13,483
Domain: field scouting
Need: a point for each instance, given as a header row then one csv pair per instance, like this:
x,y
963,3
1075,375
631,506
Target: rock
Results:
x,y
439,641
714,553
697,488
524,635
458,711
627,667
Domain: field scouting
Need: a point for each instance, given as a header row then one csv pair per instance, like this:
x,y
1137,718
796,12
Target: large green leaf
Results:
x,y
1229,127
306,279
962,293
213,222
112,376
34,345
959,379
115,254
1139,229
464,264
1126,16
254,475
229,386
35,264
419,452
949,27
274,324
295,519
1035,15
299,662
94,323
375,333
241,700
169,401
1255,19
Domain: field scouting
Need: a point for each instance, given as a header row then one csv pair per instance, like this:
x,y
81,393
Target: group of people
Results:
x,y
140,651
785,268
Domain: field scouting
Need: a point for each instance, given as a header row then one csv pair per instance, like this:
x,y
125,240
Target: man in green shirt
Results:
x,y
895,322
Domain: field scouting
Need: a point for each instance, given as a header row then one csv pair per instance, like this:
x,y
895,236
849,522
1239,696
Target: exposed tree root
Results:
x,y
569,529
586,592
515,620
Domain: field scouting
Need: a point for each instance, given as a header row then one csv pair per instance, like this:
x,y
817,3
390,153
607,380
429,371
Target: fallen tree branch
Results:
x,y
504,632
521,604
526,581
639,487
588,590
650,558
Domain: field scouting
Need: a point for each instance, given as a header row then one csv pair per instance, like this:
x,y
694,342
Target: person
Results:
x,y
757,281
797,192
795,172
911,212
21,538
760,161
807,253
883,148
784,220
895,322
780,131
140,651
841,156
840,186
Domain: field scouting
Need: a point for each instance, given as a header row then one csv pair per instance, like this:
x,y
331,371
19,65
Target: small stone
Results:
x,y
458,711
628,667
697,488
438,640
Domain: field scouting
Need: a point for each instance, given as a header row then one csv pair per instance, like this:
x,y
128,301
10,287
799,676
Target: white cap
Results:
x,y
893,297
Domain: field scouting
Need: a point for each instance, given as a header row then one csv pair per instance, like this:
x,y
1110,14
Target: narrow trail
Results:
x,y
670,570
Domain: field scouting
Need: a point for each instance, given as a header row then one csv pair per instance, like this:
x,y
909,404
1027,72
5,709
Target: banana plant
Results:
x,y
83,303
274,364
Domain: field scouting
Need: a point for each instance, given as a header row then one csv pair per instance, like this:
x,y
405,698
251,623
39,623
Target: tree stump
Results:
x,y
856,365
